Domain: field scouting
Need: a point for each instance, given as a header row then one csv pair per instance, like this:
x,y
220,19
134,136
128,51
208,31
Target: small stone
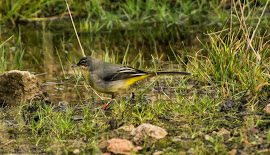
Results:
x,y
191,151
61,107
10,122
147,131
103,145
122,146
76,151
225,133
182,153
176,139
246,142
13,49
209,138
200,133
158,153
233,152
227,106
181,138
186,126
267,109
243,152
127,128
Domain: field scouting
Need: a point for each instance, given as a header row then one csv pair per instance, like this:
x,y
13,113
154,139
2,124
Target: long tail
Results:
x,y
140,76
170,73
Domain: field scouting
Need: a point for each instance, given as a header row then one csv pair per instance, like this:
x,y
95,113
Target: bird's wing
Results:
x,y
124,72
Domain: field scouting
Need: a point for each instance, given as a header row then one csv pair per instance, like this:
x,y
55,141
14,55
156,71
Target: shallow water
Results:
x,y
51,48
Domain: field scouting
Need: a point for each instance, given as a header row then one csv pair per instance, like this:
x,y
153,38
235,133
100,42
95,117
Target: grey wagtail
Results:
x,y
110,78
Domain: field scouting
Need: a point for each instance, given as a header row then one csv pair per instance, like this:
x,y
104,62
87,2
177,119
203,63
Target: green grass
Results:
x,y
14,53
129,14
225,68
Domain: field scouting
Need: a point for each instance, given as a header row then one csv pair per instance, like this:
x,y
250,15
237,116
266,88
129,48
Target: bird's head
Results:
x,y
84,63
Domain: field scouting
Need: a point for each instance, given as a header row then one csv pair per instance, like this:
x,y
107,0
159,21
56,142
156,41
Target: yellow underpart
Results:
x,y
86,76
132,80
128,82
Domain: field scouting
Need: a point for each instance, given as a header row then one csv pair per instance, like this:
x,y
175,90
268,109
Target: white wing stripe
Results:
x,y
127,70
139,74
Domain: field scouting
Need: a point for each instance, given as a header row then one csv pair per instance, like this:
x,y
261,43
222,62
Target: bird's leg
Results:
x,y
113,95
132,95
113,98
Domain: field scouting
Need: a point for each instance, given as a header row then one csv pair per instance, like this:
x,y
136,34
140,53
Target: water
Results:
x,y
51,48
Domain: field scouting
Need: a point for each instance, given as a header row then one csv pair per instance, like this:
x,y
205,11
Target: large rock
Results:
x,y
18,86
149,132
120,146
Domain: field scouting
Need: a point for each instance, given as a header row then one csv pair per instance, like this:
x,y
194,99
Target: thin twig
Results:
x,y
74,28
217,32
253,34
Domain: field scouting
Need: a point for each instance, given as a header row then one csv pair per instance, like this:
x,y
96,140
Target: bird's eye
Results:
x,y
83,62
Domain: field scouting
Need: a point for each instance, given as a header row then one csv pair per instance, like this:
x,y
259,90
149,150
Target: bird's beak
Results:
x,y
74,66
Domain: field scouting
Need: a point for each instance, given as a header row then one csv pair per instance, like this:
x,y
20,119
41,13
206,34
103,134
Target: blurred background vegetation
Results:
x,y
114,25
125,14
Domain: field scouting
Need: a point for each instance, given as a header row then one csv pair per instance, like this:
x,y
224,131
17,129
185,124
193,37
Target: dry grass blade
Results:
x,y
75,29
